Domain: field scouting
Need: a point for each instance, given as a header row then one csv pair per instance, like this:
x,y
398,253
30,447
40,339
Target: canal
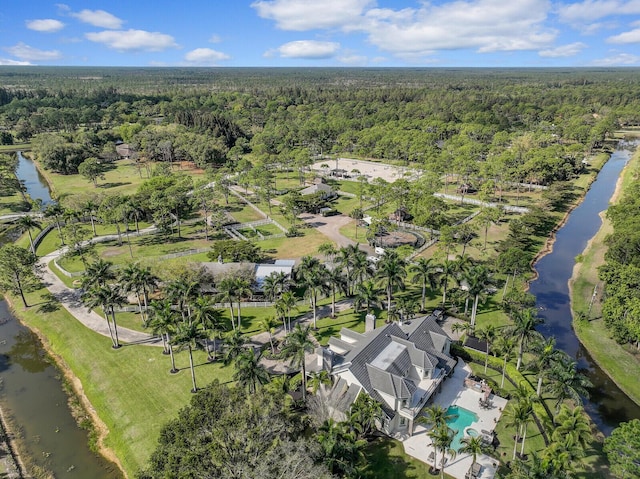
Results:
x,y
32,395
607,404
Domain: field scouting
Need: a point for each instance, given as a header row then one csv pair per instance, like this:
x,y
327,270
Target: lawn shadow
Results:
x,y
113,184
383,460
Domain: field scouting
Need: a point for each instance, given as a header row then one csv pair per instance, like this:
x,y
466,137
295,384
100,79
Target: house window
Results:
x,y
403,421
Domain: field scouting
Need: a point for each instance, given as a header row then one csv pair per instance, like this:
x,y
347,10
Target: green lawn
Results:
x,y
130,387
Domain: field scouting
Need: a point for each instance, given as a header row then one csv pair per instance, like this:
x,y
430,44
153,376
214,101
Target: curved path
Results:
x,y
69,298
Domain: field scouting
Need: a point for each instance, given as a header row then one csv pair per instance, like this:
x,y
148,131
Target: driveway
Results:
x,y
330,227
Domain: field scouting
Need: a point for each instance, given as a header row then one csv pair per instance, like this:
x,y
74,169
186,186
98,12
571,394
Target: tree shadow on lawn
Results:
x,y
383,462
113,184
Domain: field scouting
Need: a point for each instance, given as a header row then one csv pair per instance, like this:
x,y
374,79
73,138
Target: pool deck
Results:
x,y
455,393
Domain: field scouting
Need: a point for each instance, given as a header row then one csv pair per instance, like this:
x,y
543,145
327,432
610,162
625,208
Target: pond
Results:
x,y
607,405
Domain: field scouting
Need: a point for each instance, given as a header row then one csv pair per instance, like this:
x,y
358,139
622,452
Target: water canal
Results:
x,y
607,405
35,185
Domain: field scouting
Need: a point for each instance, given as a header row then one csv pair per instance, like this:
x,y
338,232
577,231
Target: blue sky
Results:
x,y
392,33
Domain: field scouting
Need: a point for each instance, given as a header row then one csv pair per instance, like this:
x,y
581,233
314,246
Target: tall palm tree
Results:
x,y
311,275
443,278
275,284
163,321
227,294
565,382
268,324
518,415
336,283
391,272
234,345
435,416
97,273
210,319
242,290
128,279
442,438
189,336
320,378
182,292
477,279
55,211
285,305
573,423
296,346
505,345
425,272
90,206
545,356
364,415
346,258
249,372
107,297
473,446
488,335
523,329
366,294
27,223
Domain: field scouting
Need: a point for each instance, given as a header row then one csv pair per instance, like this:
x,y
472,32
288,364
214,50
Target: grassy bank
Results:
x,y
129,392
616,360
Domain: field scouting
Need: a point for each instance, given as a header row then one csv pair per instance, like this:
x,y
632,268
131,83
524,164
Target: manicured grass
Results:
x,y
386,459
15,147
130,388
13,204
294,247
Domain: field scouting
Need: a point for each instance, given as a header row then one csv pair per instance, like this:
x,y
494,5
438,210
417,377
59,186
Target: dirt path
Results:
x,y
330,227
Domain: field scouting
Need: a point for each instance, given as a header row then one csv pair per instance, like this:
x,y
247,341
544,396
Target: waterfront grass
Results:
x,y
131,387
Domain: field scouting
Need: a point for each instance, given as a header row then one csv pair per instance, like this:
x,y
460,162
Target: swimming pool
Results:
x,y
461,419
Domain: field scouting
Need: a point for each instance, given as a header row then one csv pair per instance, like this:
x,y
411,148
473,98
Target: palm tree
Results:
x,y
346,258
341,451
234,345
275,284
366,294
55,211
435,416
209,317
285,305
474,446
129,283
573,423
565,382
425,272
561,457
545,356
443,278
242,290
249,372
182,292
97,273
391,272
163,321
107,298
27,223
364,415
268,324
505,346
320,378
311,275
296,346
518,416
523,329
335,283
189,336
90,206
441,438
477,281
488,335
227,294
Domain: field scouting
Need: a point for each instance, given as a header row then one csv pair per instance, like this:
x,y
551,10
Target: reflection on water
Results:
x,y
33,397
607,405
35,185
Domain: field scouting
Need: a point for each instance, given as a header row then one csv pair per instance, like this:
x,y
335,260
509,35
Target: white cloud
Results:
x,y
632,36
205,56
99,18
45,25
6,61
310,49
589,10
301,15
28,53
620,59
133,40
569,50
484,25
215,38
